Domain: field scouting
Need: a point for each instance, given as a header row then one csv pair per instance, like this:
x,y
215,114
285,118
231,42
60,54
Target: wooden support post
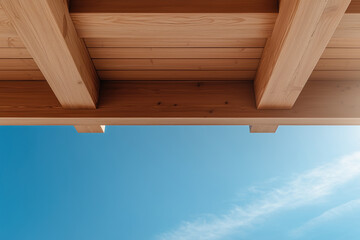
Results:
x,y
301,33
263,128
90,128
47,30
48,33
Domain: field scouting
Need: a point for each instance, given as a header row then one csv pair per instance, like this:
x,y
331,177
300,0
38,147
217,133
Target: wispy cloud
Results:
x,y
302,190
329,215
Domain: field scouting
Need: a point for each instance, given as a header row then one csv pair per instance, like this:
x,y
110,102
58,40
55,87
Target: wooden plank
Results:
x,y
187,25
335,75
175,52
177,75
48,33
11,42
90,128
21,75
344,42
17,64
174,6
338,65
6,28
191,25
166,6
142,52
349,26
14,53
174,42
176,64
341,53
263,128
301,34
175,25
181,103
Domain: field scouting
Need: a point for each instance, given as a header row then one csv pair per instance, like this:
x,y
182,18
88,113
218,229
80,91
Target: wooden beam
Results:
x,y
181,24
301,33
90,128
175,6
180,103
48,33
162,52
263,128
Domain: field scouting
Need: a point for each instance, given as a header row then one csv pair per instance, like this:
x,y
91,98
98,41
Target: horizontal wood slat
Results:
x,y
191,25
175,52
338,65
11,42
17,64
177,75
191,52
183,75
21,75
14,53
344,42
176,64
174,6
174,42
335,75
134,103
341,53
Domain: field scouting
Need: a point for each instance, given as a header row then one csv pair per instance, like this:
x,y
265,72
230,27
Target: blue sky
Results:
x,y
179,183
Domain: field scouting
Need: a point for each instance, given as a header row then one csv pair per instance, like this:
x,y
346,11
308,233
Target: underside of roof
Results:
x,y
262,63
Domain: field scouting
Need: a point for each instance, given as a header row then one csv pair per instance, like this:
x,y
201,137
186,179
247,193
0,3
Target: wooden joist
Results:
x,y
263,128
301,33
48,33
174,6
90,128
234,20
180,103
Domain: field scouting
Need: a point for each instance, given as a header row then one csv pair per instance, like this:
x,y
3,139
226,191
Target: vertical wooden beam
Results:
x,y
90,128
263,128
49,35
301,34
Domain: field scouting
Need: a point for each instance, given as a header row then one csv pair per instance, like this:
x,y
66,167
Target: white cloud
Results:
x,y
329,215
302,190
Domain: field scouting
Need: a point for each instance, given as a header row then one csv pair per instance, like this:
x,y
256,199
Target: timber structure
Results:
x,y
262,63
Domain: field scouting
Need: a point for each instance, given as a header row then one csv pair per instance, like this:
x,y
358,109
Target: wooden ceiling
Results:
x,y
176,62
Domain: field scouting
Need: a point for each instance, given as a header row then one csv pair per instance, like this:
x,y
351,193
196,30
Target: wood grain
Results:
x,y
175,52
11,42
90,128
338,65
301,34
176,64
14,53
341,53
182,103
6,28
175,25
263,128
335,75
177,75
17,64
49,35
175,42
21,75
